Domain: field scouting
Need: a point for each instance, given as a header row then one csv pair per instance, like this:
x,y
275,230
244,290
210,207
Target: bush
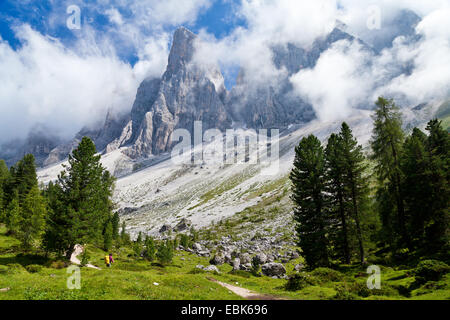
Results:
x,y
165,253
58,264
430,270
344,293
4,269
299,281
84,258
15,268
328,275
33,268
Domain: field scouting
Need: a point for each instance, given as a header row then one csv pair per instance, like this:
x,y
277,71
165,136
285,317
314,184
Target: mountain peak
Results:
x,y
182,48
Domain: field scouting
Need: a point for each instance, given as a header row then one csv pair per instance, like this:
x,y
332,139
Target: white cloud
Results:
x,y
336,84
43,82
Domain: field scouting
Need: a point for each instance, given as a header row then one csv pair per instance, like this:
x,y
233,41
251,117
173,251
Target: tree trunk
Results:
x,y
344,229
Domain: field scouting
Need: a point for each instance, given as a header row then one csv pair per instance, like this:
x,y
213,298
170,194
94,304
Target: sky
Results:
x,y
65,73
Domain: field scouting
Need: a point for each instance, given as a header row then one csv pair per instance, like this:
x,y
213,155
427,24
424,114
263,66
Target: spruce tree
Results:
x,y
416,184
115,221
13,215
338,197
4,178
438,222
83,199
355,180
387,141
108,237
150,249
32,219
310,201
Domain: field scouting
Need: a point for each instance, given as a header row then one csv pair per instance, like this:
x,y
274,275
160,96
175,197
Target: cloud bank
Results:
x,y
68,85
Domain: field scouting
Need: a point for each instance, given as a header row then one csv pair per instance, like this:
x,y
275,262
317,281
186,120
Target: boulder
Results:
x,y
246,267
183,225
218,259
165,228
273,269
197,247
245,258
299,267
260,259
236,264
211,268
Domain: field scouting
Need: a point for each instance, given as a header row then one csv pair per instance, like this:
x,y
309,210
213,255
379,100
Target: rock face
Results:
x,y
187,92
190,91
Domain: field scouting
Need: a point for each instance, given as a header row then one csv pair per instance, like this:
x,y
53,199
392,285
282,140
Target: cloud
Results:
x,y
66,84
336,84
43,82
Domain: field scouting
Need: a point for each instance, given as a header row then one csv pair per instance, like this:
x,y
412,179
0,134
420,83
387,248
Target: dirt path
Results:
x,y
245,293
73,258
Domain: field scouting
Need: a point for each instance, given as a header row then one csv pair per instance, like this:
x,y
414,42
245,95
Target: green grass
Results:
x,y
131,279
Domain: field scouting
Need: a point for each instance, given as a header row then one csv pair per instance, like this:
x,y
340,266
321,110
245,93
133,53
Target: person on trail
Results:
x,y
111,259
107,261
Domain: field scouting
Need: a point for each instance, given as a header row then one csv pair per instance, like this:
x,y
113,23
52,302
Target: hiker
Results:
x,y
111,259
107,261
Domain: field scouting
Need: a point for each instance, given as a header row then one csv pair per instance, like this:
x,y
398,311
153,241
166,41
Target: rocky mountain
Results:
x,y
190,91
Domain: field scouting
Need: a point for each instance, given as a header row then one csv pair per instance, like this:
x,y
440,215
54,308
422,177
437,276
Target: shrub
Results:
x,y
165,253
343,292
33,268
328,275
58,264
15,268
430,270
84,258
299,281
3,269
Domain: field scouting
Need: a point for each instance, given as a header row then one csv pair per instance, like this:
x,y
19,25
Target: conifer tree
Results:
x,y
32,219
150,249
13,214
115,221
438,222
387,141
338,199
108,237
4,178
82,200
310,201
416,183
355,181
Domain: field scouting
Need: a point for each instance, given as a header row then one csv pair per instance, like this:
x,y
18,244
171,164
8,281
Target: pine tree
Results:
x,y
150,249
115,225
165,252
438,222
13,214
354,180
32,219
124,236
310,201
4,178
338,198
83,199
387,141
416,183
108,237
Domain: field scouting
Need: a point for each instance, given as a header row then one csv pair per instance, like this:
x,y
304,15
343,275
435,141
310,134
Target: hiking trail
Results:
x,y
73,258
245,293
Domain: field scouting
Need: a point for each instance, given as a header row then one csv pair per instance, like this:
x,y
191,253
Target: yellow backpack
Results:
x,y
107,259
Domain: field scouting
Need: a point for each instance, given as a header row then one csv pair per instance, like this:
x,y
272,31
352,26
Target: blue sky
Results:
x,y
66,79
219,19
